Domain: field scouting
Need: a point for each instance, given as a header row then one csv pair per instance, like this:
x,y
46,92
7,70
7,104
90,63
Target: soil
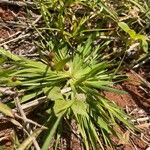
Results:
x,y
136,103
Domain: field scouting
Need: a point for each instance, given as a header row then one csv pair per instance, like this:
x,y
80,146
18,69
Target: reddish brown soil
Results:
x,y
136,103
6,131
13,19
136,96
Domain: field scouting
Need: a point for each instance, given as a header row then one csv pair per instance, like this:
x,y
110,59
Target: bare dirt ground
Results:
x,y
17,36
137,104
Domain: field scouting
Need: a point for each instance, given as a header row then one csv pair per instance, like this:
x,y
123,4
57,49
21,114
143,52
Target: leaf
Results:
x,y
27,97
87,124
97,84
6,110
59,66
89,72
53,93
107,139
9,55
82,130
124,26
135,36
111,89
108,10
121,116
103,124
29,140
77,28
61,106
145,46
22,60
79,108
87,48
95,135
127,29
51,132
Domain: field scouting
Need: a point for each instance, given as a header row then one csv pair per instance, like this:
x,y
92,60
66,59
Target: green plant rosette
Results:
x,y
73,84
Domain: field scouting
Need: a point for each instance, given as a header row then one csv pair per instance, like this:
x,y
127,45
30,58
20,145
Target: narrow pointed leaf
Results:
x,y
6,110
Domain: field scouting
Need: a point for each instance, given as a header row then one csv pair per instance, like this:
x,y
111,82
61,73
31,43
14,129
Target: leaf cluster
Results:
x,y
73,87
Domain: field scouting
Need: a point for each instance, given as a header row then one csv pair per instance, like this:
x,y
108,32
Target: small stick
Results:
x,y
23,35
141,119
18,105
32,103
142,79
15,39
11,36
6,91
30,121
18,3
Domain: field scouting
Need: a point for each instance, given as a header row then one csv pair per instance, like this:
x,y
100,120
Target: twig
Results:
x,y
6,91
23,34
133,111
32,104
18,3
146,58
142,138
3,138
30,121
11,36
141,119
134,145
142,79
30,55
18,105
132,47
15,39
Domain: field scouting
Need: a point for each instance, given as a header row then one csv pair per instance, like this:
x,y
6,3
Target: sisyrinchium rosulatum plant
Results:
x,y
73,86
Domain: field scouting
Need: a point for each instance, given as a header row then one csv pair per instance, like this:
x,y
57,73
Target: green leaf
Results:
x,y
127,29
134,35
97,84
53,93
51,131
111,89
76,28
94,135
103,124
89,72
87,48
9,55
87,124
108,10
61,106
79,108
6,110
27,97
122,117
145,46
82,130
59,66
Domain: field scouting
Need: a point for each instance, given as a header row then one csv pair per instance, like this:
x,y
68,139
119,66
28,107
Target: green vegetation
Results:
x,y
81,47
73,86
121,27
